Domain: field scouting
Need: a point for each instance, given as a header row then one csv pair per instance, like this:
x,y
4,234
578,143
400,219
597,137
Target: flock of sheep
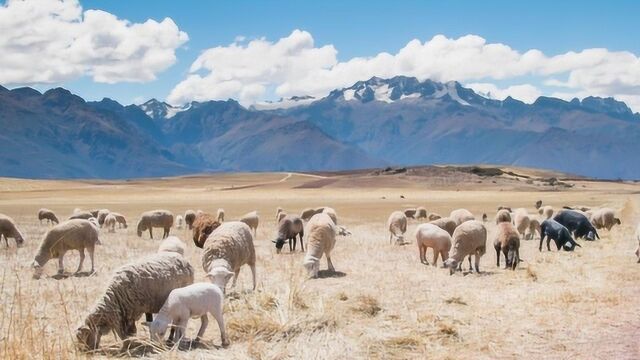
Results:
x,y
162,283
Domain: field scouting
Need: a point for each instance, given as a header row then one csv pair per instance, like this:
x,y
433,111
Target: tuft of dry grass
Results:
x,y
455,300
366,304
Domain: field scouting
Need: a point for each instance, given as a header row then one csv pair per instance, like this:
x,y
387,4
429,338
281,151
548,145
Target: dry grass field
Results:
x,y
382,303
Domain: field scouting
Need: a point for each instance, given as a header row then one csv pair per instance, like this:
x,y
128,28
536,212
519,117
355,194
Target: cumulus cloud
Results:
x,y
294,65
51,41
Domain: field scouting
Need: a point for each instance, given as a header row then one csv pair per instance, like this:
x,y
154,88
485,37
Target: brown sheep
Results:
x,y
503,215
8,230
421,213
434,216
507,241
203,226
446,224
46,214
410,213
604,218
189,218
155,218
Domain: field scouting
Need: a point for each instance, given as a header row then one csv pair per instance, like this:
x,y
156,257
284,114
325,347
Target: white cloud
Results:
x,y
293,65
50,41
524,92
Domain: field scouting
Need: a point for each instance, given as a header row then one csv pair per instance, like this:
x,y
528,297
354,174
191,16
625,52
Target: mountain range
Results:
x,y
377,122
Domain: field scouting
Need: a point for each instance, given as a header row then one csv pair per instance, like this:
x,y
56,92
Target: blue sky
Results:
x,y
367,28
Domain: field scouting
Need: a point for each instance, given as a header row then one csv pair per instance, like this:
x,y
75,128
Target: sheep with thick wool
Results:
x,y
120,219
445,223
110,223
461,215
397,225
203,226
46,214
75,234
434,216
253,220
85,215
421,213
546,211
503,215
604,218
469,238
102,214
228,248
155,218
140,287
521,220
434,237
8,229
321,239
507,241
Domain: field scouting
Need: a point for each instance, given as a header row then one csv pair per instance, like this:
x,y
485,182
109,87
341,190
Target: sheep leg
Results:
x,y
235,277
423,253
470,262
444,257
91,250
435,257
477,263
497,256
291,249
151,233
506,258
217,314
330,264
204,321
166,233
253,275
549,242
390,238
81,260
60,264
301,244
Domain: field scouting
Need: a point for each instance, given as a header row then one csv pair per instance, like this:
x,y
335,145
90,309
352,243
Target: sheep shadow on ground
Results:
x,y
68,275
323,274
139,348
481,273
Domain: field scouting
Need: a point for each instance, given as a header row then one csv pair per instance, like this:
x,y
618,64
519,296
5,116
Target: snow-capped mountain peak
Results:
x,y
156,109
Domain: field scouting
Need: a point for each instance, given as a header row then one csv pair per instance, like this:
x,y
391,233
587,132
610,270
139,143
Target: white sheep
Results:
x,y
172,244
155,218
604,218
182,304
546,211
138,288
75,234
470,238
8,229
332,214
253,220
461,215
120,219
179,222
46,214
226,249
306,214
220,215
432,236
397,225
321,238
110,223
521,221
507,241
85,215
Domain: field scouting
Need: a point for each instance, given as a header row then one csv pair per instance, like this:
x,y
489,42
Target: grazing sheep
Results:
x,y
155,218
203,226
228,248
120,219
446,224
538,204
432,236
521,220
470,238
332,214
179,222
397,225
503,215
8,229
102,213
605,218
189,218
546,211
281,215
321,238
85,215
421,213
552,229
75,234
288,228
434,216
577,223
410,213
638,240
252,219
140,287
173,244
279,211
220,215
507,241
46,214
461,215
308,213
534,226
182,304
110,223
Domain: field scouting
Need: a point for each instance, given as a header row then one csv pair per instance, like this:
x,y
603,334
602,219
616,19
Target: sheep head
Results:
x,y
220,276
452,264
312,265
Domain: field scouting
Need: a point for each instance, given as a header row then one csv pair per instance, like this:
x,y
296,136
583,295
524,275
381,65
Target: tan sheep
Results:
x,y
321,238
75,234
503,215
470,238
172,244
155,218
507,241
461,215
102,214
228,248
85,215
446,224
290,227
281,215
397,225
434,216
110,223
279,210
521,221
8,229
410,213
546,211
120,219
179,221
306,214
220,215
534,227
434,237
332,214
604,218
46,214
189,218
421,213
203,226
253,220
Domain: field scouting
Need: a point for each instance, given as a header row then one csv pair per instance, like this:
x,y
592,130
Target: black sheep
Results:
x,y
577,223
560,234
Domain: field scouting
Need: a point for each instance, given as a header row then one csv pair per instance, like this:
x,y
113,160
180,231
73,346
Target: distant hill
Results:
x,y
378,122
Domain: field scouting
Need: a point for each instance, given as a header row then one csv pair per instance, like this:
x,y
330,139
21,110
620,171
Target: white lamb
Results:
x,y
188,302
321,238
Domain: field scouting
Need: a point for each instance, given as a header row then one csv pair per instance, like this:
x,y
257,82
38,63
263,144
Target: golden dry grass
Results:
x,y
383,303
